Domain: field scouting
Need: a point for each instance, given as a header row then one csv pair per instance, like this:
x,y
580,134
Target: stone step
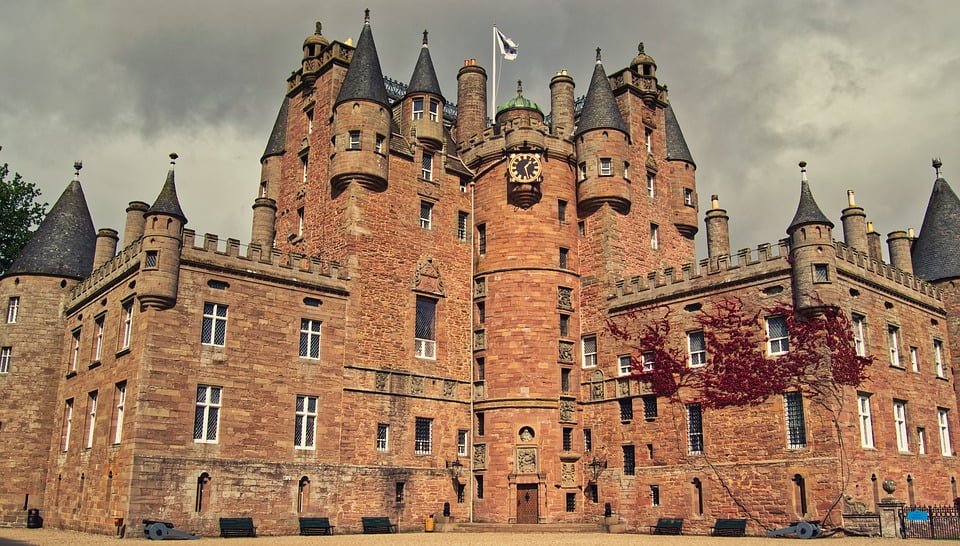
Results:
x,y
527,528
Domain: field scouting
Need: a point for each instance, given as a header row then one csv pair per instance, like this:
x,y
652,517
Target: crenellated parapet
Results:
x,y
860,266
107,274
481,148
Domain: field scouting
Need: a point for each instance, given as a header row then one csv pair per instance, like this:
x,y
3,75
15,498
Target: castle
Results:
x,y
420,318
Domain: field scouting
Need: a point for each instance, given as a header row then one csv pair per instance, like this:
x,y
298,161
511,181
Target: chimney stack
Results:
x,y
874,247
854,222
718,230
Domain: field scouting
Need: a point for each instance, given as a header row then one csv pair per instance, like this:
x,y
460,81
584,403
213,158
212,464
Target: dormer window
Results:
x,y
434,110
417,108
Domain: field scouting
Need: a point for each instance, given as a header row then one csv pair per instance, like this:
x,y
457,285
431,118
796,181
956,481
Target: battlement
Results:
x,y
118,266
854,262
490,144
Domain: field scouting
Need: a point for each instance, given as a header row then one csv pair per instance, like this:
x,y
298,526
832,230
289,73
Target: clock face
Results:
x,y
524,168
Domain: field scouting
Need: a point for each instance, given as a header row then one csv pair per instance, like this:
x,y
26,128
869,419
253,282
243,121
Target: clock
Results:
x,y
524,168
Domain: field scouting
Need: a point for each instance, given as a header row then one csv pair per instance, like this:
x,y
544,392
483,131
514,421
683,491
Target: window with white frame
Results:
x,y
425,334
648,139
120,394
13,309
310,338
915,359
304,163
866,420
688,197
354,141
98,339
589,351
893,342
900,425
921,440
697,349
426,171
654,236
648,361
796,425
383,437
426,214
606,166
300,221
582,169
213,330
378,147
75,351
859,339
417,108
305,425
651,185
943,422
6,354
461,443
778,335
626,169
434,110
938,366
67,424
463,219
821,273
91,417
126,326
423,441
309,114
694,428
206,421
624,364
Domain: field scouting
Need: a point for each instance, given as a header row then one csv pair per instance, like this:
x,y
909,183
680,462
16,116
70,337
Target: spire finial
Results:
x,y
519,88
77,165
366,16
803,171
424,37
598,55
936,165
640,48
173,160
318,29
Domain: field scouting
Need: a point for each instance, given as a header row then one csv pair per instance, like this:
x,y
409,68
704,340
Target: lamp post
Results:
x,y
456,467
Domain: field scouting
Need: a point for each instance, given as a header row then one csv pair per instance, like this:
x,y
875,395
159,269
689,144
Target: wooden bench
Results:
x,y
729,528
667,526
377,525
315,526
237,527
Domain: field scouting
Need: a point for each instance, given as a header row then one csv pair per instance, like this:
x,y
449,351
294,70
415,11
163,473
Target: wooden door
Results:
x,y
527,503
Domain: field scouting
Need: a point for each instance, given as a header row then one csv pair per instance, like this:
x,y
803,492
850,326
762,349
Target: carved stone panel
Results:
x,y
568,473
565,351
480,287
596,386
479,340
623,388
449,388
416,385
565,298
427,278
380,381
567,411
480,456
526,460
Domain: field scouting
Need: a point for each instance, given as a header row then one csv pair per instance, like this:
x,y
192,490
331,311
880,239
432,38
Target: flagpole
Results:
x,y
493,84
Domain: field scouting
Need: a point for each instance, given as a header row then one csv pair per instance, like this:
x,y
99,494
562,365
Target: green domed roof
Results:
x,y
519,102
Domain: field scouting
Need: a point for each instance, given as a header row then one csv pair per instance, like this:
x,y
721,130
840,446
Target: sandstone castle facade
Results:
x,y
420,318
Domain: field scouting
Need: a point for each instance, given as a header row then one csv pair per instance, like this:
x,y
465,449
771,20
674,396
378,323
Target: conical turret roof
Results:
x,y
936,252
676,145
65,242
424,79
167,202
364,79
276,145
600,110
808,212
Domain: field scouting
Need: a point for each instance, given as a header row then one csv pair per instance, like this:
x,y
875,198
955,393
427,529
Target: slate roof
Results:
x,y
167,202
65,242
276,145
600,109
424,79
936,252
676,145
364,79
807,210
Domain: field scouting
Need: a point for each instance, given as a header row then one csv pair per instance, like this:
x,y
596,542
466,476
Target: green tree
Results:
x,y
20,214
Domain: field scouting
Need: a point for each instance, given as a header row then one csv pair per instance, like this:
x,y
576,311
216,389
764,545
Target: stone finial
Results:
x,y
911,233
173,160
424,37
803,171
519,88
598,55
77,165
936,165
640,48
366,16
319,27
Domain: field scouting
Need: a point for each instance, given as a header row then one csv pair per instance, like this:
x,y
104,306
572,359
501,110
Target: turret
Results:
x,y
718,230
561,104
313,48
854,222
162,240
133,227
874,245
471,100
936,251
898,245
361,121
422,107
602,142
270,161
264,222
646,69
812,255
521,123
682,173
106,246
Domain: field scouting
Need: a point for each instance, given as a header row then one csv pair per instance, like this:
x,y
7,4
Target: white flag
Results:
x,y
508,48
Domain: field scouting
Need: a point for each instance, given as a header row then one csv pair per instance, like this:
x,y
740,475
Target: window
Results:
x,y
582,169
943,422
417,108
567,438
777,334
564,380
921,441
482,238
648,139
655,495
694,429
587,440
626,169
698,496
625,364
859,340
309,114
300,222
150,259
463,219
461,443
426,214
688,197
629,461
606,166
581,228
651,186
98,341
354,142
481,369
893,341
648,361
91,417
67,423
866,421
915,359
697,347
796,426
206,421
938,366
427,166
127,324
75,352
383,437
425,334
649,406
900,423
310,339
571,502
591,493
626,409
589,351
5,356
821,273
479,479
305,426
304,163
564,258
561,210
463,185
121,396
424,436
564,325
399,490
434,110
378,147
13,309
213,331
481,312
654,236
480,423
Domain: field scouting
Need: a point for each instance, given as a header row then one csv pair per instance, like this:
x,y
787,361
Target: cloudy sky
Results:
x,y
865,91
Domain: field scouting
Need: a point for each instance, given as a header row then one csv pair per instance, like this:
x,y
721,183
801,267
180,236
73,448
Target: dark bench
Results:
x,y
237,527
667,526
729,528
315,526
377,525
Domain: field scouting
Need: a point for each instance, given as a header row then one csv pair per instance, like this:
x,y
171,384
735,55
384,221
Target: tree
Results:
x,y
20,214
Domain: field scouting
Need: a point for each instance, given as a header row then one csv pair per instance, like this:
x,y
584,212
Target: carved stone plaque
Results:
x,y
449,388
416,385
566,411
526,460
568,473
564,297
565,351
380,381
480,456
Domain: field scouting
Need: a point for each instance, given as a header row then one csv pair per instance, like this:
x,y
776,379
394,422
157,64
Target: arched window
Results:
x,y
303,494
203,492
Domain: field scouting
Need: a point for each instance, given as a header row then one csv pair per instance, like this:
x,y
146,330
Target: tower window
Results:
x,y
654,236
305,423
590,351
626,170
463,219
481,369
417,108
821,273
383,436
648,137
309,121
6,354
127,324
310,339
893,341
938,365
565,380
479,479
482,238
91,417
583,171
206,422
697,347
571,504
694,429
98,339
378,147
426,172
587,440
564,258
426,214
629,461
13,309
796,427
859,323
481,312
150,260
779,337
461,443
688,197
651,185
567,438
564,325
354,142
606,166
434,110
213,330
300,222
304,163
423,443
425,336
561,210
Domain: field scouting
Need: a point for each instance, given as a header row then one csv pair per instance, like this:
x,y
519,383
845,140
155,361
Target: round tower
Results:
x,y
812,255
422,107
854,222
561,104
162,241
361,121
264,222
471,100
718,230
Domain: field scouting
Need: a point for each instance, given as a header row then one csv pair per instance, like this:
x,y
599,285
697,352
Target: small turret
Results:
x,y
646,69
682,173
854,222
718,230
520,120
518,107
162,240
812,255
313,48
361,121
561,104
936,251
471,100
422,108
